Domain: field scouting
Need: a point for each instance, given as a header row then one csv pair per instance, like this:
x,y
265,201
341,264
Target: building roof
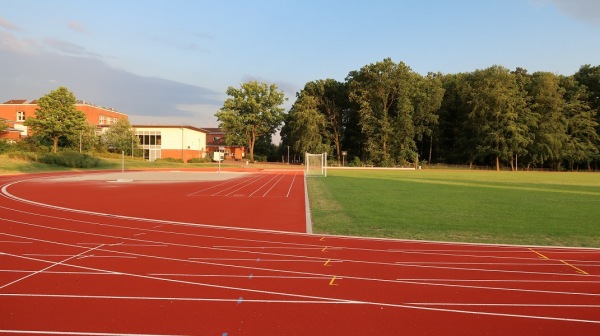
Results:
x,y
212,130
77,102
21,101
203,130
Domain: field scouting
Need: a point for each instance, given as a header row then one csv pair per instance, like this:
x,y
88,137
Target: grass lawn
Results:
x,y
537,208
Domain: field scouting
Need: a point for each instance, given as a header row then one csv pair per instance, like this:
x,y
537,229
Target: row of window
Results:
x,y
104,120
107,120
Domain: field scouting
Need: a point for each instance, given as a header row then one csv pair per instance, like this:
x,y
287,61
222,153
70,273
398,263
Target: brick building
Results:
x,y
16,111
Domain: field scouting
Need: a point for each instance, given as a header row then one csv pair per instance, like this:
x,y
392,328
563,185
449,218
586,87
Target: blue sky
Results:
x,y
170,62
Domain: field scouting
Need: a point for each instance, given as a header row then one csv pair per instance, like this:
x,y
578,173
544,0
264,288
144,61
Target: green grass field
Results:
x,y
561,209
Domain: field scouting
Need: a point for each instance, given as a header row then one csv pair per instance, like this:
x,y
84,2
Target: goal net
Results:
x,y
316,164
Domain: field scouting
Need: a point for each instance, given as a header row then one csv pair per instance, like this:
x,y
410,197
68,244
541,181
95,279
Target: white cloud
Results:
x,y
11,43
8,25
77,26
586,10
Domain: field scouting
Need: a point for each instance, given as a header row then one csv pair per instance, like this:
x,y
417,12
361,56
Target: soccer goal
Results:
x,y
316,164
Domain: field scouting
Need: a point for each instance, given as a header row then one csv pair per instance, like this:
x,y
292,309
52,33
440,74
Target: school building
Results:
x,y
157,141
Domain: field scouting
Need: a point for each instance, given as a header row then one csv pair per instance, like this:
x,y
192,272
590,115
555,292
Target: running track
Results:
x,y
227,258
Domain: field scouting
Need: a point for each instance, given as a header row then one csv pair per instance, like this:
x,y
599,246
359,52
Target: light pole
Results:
x,y
288,154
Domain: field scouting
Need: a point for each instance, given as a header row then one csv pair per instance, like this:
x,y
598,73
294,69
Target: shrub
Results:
x,y
169,160
70,159
199,160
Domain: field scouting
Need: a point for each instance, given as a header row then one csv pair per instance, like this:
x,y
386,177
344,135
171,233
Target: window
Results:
x,y
20,115
101,119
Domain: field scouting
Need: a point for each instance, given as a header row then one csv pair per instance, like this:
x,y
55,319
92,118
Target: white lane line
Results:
x,y
263,185
267,260
46,255
157,298
62,262
239,181
242,185
291,185
273,186
185,282
277,247
321,274
55,272
457,304
13,242
500,280
106,256
496,247
489,270
245,276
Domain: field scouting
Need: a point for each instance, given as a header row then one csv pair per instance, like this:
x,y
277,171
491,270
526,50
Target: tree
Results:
x,y
496,104
306,126
120,137
56,117
427,101
251,112
3,126
331,100
384,91
583,140
547,104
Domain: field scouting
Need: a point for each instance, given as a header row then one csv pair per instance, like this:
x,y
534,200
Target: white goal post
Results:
x,y
316,164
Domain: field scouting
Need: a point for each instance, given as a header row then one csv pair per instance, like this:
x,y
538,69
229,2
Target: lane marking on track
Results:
x,y
243,276
262,260
106,256
46,255
314,274
143,245
487,270
327,262
6,194
398,305
56,272
62,262
578,270
501,280
13,242
331,283
502,304
183,299
277,247
253,268
539,254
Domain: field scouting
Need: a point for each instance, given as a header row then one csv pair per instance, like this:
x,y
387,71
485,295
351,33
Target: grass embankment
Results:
x,y
16,166
531,208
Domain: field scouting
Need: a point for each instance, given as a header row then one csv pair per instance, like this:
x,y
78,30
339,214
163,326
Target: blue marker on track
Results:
x,y
240,300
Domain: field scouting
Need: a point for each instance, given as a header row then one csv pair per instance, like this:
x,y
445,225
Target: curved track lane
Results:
x,y
215,258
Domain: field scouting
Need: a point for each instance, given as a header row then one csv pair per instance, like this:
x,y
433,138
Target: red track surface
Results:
x,y
194,258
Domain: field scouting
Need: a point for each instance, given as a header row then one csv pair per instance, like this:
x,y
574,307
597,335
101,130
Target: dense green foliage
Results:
x,y
533,208
56,118
251,112
386,114
120,137
67,158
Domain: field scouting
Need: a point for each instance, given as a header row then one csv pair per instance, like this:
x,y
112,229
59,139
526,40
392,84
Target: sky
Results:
x,y
170,62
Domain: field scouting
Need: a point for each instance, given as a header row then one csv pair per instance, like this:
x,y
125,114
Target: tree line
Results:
x,y
386,114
